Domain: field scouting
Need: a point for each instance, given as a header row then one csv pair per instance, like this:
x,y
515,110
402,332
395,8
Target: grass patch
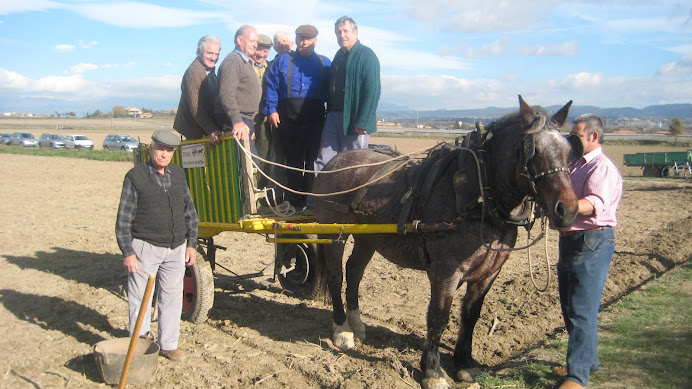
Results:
x,y
645,341
97,155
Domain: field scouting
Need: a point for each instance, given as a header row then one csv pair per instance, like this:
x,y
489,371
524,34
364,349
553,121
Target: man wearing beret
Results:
x,y
296,94
195,116
354,91
155,218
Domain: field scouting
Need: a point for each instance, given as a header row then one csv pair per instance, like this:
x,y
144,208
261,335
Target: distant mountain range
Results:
x,y
392,112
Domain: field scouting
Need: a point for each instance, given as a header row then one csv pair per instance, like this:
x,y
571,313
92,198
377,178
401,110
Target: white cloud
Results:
x,y
87,45
64,48
560,49
478,15
83,67
496,48
143,15
14,6
683,66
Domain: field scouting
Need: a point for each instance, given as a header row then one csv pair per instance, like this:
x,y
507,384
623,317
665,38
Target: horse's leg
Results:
x,y
443,283
333,254
471,305
355,267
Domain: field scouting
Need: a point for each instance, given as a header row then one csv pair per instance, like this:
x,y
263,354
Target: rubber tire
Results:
x,y
651,171
123,148
297,281
667,171
198,291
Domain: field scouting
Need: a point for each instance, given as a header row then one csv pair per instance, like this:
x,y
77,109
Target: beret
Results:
x,y
264,40
306,30
166,138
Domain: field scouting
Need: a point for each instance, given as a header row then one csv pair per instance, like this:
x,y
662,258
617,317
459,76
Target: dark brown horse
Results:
x,y
466,201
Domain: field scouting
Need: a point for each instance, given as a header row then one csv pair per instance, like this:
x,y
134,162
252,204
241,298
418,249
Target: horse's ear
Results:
x,y
561,116
525,110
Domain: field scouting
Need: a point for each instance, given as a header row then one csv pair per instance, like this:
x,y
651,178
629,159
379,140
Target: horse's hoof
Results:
x,y
356,325
434,383
344,340
468,375
343,336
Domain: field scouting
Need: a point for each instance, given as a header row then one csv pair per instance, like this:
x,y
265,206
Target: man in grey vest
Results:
x,y
155,218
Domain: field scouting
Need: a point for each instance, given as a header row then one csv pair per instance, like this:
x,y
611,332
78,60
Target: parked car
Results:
x,y
23,139
384,147
55,141
120,142
5,138
78,142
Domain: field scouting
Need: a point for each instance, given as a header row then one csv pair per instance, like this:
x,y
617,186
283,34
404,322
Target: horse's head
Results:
x,y
542,168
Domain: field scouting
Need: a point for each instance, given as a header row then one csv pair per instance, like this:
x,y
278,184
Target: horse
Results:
x,y
466,200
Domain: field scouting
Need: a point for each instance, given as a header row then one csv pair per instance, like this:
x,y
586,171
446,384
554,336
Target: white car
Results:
x,y
78,142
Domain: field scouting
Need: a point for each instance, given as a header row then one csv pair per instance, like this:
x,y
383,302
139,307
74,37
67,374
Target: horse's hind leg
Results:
x,y
355,267
471,305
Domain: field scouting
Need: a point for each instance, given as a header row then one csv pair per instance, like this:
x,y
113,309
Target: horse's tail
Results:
x,y
321,291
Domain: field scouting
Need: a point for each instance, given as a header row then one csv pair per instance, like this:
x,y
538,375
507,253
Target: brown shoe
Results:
x,y
560,370
570,385
176,355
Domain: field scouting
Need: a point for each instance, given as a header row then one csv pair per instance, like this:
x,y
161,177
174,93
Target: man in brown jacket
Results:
x,y
195,116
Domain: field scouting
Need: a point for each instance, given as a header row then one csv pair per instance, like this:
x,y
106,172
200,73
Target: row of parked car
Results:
x,y
57,141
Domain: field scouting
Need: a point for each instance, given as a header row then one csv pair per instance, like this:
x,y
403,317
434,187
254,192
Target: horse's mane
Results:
x,y
509,122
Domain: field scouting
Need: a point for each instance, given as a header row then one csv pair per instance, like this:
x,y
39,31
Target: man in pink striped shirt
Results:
x,y
586,250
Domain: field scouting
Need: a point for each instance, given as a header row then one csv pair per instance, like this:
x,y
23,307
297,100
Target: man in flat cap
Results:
x,y
266,137
195,116
155,218
296,94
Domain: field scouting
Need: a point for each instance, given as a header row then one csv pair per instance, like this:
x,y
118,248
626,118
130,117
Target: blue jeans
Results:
x,y
581,275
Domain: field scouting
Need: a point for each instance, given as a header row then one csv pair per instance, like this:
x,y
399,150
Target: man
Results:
x,y
239,90
282,43
586,249
262,128
354,91
155,217
195,116
296,94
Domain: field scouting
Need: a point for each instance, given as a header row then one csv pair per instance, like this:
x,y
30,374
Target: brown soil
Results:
x,y
61,277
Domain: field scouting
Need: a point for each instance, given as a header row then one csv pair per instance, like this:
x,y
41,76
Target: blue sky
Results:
x,y
81,55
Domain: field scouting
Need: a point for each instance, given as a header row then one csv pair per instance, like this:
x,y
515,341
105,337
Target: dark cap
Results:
x,y
166,138
306,30
264,40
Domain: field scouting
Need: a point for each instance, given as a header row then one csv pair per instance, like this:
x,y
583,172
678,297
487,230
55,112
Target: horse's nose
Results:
x,y
564,214
560,210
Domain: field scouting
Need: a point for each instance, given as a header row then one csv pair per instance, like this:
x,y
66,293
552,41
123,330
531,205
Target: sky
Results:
x,y
82,55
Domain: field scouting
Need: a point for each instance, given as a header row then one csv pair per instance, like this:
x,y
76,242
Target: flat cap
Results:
x,y
306,30
264,40
166,138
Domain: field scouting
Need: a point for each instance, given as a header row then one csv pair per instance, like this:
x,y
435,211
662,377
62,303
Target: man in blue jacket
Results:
x,y
295,97
354,91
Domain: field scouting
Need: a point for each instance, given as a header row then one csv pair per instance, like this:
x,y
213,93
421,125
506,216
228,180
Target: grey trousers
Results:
x,y
333,141
169,267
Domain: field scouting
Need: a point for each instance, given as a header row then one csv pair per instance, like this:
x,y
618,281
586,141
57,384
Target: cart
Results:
x,y
663,164
220,179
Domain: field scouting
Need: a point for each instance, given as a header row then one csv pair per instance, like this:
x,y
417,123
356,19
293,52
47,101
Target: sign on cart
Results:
x,y
193,155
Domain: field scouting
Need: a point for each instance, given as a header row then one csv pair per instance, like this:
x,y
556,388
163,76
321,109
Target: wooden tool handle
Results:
x,y
135,334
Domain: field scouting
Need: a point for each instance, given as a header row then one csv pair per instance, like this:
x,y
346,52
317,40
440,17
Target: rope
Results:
x,y
544,223
402,164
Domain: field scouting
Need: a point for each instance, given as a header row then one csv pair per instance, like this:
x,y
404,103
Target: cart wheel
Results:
x,y
198,288
667,171
651,171
297,267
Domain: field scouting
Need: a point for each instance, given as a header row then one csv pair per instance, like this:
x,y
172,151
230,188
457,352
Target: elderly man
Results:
x,y
296,94
282,43
354,91
586,249
155,218
262,128
195,116
239,89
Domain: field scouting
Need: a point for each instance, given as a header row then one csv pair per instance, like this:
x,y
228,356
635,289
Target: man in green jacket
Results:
x,y
354,91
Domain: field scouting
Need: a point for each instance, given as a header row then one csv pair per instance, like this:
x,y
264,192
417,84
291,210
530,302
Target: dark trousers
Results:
x,y
301,143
